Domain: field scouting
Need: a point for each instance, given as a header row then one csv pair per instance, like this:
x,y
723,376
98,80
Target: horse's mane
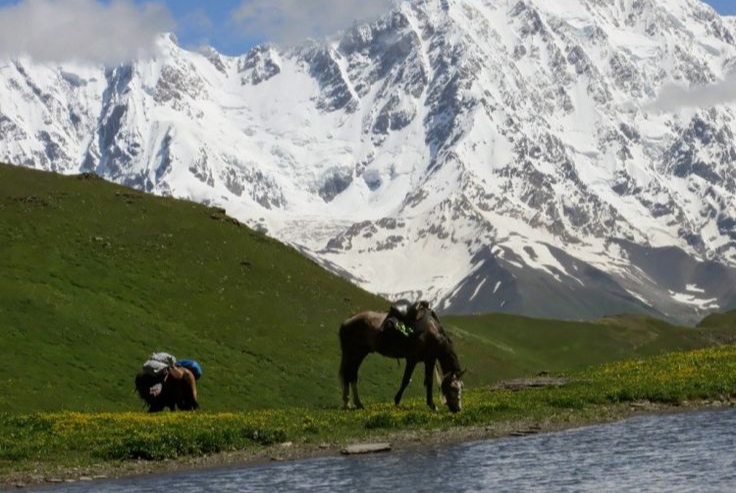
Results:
x,y
448,357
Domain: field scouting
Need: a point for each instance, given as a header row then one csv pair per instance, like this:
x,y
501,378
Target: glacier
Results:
x,y
487,155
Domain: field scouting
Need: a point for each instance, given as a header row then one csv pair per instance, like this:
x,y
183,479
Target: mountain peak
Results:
x,y
509,148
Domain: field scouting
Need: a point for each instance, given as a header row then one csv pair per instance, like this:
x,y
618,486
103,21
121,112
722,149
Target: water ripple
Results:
x,y
681,453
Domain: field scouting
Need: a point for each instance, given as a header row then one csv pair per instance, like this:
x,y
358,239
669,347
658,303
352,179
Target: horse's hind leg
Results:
x,y
356,397
343,374
354,381
349,374
345,395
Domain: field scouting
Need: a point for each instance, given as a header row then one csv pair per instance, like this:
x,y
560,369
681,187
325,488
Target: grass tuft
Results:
x,y
670,379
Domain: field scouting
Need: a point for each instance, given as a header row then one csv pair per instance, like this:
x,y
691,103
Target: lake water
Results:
x,y
688,452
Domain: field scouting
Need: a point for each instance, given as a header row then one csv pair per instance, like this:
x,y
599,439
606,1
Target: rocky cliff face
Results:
x,y
488,155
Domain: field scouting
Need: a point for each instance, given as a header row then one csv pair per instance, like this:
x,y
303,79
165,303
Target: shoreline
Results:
x,y
400,440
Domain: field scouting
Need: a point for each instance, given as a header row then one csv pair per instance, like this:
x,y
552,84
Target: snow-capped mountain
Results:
x,y
490,155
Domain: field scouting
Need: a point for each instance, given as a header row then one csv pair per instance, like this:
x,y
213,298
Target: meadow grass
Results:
x,y
94,277
89,438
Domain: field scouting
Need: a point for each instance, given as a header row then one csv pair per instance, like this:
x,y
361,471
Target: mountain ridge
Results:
x,y
495,155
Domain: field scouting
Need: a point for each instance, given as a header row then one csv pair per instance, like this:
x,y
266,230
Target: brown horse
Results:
x,y
366,333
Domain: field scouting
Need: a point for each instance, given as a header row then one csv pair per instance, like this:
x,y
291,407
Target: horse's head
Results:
x,y
452,390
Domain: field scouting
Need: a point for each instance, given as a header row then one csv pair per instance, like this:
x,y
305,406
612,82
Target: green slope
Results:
x,y
719,321
94,276
501,346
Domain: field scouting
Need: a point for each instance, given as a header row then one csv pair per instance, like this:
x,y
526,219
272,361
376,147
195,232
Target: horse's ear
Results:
x,y
460,375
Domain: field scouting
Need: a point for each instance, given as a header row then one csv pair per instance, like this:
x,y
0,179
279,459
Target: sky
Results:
x,y
230,26
727,7
129,26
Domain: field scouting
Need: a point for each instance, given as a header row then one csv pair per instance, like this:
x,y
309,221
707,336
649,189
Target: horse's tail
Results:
x,y
353,347
343,355
350,356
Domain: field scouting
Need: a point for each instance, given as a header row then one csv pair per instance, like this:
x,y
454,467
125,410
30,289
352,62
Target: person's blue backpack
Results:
x,y
192,366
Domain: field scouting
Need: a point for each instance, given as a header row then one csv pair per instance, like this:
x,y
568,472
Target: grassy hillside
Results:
x,y
719,321
503,346
94,277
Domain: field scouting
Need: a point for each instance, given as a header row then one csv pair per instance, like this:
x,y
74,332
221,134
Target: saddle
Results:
x,y
400,309
407,318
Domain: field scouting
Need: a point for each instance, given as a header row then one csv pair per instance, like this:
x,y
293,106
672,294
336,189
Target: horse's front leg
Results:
x,y
410,365
428,374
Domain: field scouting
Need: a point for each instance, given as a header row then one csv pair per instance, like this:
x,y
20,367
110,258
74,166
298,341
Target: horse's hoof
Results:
x,y
359,406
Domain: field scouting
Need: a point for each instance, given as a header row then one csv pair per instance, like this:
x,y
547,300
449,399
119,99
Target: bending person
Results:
x,y
190,371
159,392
